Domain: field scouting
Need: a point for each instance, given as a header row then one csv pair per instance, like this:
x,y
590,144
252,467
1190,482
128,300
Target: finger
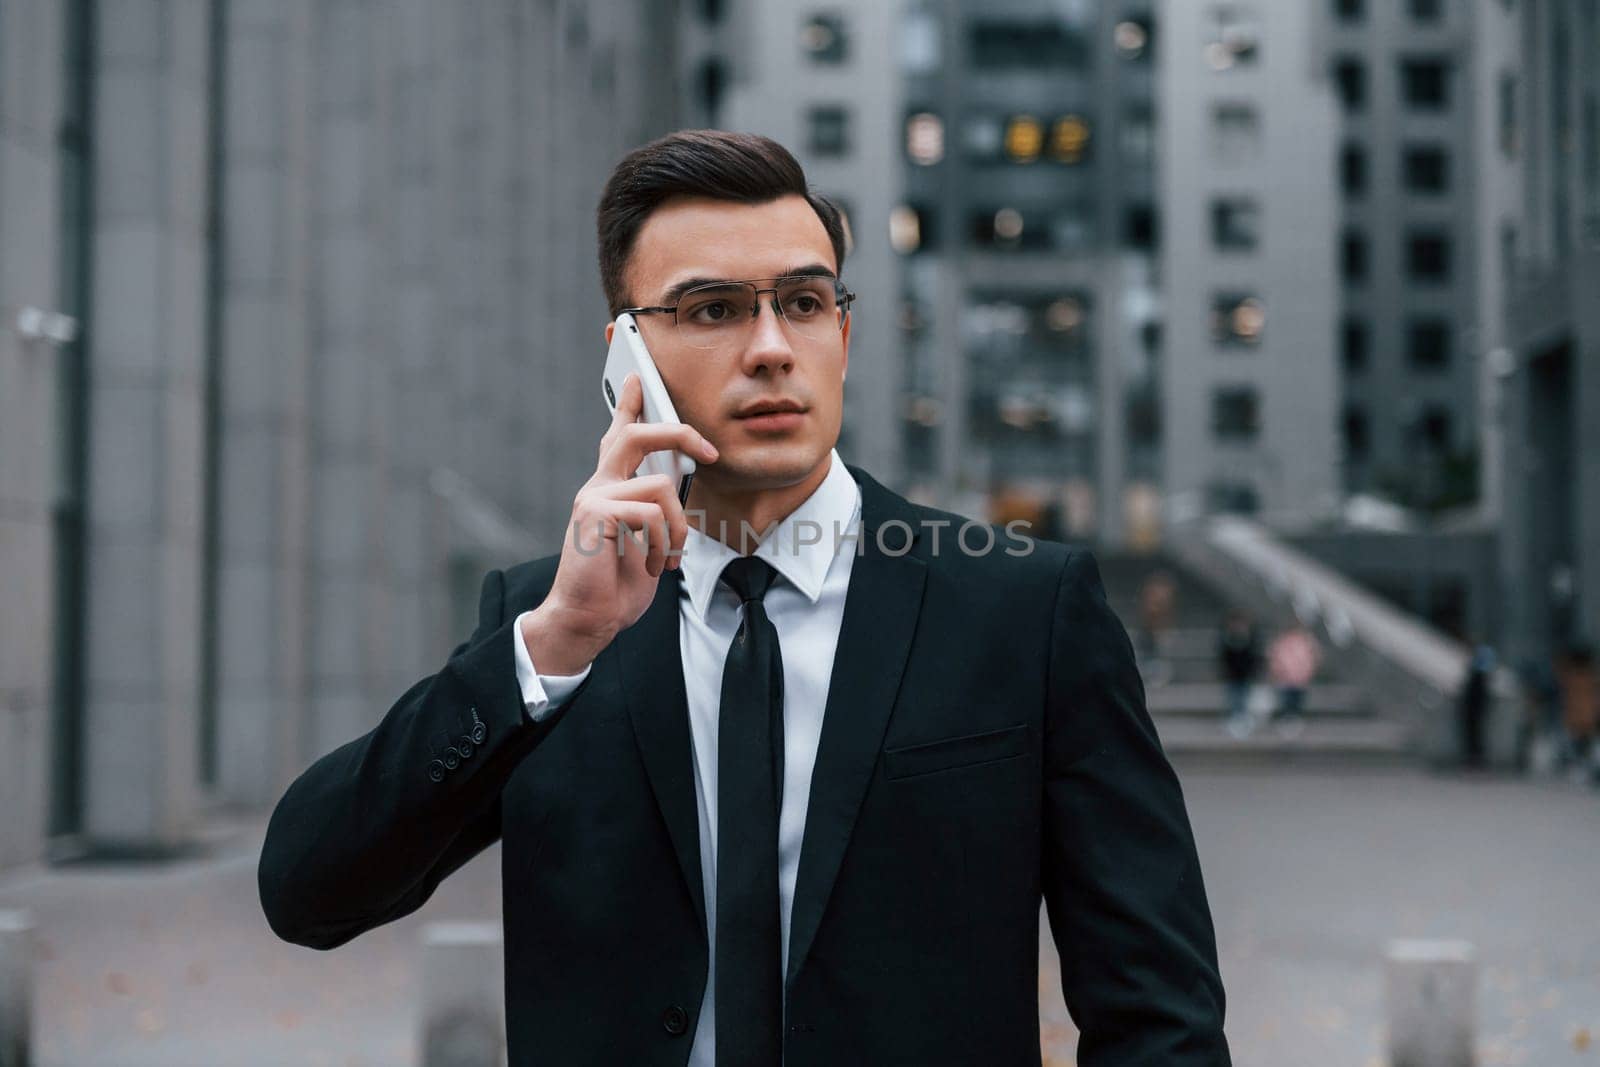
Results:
x,y
641,529
661,490
625,450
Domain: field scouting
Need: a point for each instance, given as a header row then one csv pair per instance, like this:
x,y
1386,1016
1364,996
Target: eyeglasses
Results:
x,y
721,314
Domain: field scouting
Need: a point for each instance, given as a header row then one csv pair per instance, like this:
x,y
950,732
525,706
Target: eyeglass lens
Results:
x,y
711,316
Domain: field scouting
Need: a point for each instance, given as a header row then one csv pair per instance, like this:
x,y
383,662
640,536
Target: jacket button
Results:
x,y
452,758
479,732
436,771
465,747
675,1021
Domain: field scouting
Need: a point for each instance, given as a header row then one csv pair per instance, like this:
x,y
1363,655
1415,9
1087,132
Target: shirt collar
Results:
x,y
835,505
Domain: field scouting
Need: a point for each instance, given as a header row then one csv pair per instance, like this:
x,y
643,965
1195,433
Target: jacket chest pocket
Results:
x,y
909,761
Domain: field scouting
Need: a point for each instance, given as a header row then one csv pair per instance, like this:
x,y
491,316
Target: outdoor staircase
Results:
x,y
1186,696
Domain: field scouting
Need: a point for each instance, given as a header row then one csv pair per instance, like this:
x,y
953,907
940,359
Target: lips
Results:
x,y
770,407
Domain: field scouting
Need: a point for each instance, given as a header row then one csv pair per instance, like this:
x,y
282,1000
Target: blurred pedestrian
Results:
x,y
1239,655
1158,598
1292,663
1474,704
1580,710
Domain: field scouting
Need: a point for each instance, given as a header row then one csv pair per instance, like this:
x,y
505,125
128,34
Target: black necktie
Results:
x,y
749,981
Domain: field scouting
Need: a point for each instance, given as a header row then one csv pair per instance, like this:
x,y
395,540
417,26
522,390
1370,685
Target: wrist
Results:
x,y
560,642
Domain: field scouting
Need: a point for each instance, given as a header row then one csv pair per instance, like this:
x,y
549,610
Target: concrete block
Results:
x,y
463,997
1430,1001
16,987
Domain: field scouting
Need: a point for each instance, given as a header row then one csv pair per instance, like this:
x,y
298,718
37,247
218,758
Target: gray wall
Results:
x,y
1292,464
398,281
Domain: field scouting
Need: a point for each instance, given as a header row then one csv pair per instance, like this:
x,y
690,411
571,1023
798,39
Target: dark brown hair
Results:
x,y
742,167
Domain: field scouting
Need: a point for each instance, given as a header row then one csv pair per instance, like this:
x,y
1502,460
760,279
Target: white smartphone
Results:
x,y
629,354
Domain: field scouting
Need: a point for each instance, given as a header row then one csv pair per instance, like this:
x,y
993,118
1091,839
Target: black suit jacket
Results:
x,y
985,743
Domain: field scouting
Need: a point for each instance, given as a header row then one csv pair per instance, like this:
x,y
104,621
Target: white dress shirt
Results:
x,y
806,607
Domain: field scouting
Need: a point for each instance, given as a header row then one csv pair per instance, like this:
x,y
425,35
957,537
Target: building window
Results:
x,y
1427,10
1433,428
1508,114
1235,38
1350,10
824,39
1007,229
1236,132
712,11
1355,343
1357,433
1235,223
1353,256
1353,170
828,131
1591,143
1138,133
1508,252
1428,345
1425,83
1235,413
1428,256
911,229
1425,168
1029,44
1133,38
924,138
1237,319
1234,498
1350,79
711,82
1140,230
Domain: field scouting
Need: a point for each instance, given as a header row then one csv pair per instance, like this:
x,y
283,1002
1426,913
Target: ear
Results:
x,y
611,328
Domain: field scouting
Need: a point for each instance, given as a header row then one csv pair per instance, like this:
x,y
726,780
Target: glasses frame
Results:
x,y
843,295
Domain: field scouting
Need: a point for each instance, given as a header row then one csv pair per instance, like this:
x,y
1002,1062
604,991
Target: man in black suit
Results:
x,y
903,728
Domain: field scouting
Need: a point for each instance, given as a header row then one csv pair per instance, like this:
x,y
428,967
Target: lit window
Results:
x,y
1237,319
1024,138
1235,37
925,138
1069,139
1132,38
908,229
824,40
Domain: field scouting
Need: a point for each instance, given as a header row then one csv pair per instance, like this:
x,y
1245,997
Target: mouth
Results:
x,y
772,417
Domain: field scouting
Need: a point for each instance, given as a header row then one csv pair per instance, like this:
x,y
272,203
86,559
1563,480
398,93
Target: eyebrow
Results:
x,y
675,292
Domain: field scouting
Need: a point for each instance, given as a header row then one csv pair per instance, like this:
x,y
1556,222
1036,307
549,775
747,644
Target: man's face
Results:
x,y
694,238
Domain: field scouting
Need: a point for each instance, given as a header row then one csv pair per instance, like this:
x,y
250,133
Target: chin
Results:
x,y
769,464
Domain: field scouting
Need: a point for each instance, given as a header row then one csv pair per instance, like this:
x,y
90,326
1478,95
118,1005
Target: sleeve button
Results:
x,y
675,1021
465,747
452,758
479,733
435,771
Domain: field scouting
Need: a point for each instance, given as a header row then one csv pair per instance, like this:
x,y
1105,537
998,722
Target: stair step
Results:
x,y
1376,739
1188,699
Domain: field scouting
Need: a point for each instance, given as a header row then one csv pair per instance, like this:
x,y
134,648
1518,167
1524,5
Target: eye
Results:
x,y
711,312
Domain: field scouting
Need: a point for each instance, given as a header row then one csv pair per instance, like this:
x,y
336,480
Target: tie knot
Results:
x,y
750,577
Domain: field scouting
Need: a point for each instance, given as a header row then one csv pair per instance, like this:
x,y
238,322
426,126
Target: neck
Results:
x,y
718,511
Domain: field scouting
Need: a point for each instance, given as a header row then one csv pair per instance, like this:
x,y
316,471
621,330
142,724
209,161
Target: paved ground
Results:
x,y
1310,871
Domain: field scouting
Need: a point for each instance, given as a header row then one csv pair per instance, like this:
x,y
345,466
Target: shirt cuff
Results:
x,y
541,693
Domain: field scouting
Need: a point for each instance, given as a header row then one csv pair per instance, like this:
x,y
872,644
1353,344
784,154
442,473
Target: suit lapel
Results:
x,y
880,618
652,669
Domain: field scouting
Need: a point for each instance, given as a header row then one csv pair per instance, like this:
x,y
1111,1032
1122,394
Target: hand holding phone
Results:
x,y
628,355
608,572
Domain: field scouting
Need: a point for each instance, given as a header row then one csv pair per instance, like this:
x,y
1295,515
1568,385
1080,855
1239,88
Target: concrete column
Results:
x,y
463,996
146,453
1430,994
30,113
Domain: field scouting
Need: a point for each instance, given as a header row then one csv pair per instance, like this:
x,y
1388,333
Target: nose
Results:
x,y
768,348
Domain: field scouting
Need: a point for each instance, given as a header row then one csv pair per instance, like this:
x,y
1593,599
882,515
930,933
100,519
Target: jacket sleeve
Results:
x,y
1120,873
368,831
